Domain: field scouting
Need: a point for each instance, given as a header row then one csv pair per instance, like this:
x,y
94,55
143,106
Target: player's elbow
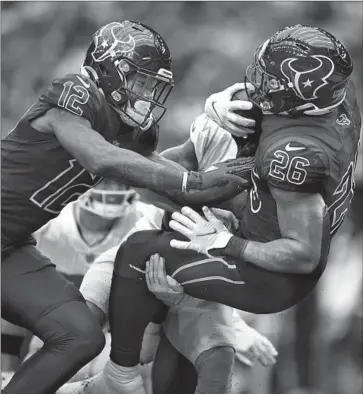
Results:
x,y
93,162
94,168
98,168
309,259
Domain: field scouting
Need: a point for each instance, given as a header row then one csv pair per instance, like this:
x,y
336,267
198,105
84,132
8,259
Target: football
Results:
x,y
247,147
255,113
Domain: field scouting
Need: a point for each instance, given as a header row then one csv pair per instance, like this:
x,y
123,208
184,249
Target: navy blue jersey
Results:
x,y
39,177
309,154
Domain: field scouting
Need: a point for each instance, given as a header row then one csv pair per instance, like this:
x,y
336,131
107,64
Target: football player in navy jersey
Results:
x,y
302,187
99,123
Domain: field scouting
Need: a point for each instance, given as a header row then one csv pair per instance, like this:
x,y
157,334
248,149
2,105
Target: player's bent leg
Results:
x,y
129,293
215,369
96,365
69,343
238,284
38,298
234,283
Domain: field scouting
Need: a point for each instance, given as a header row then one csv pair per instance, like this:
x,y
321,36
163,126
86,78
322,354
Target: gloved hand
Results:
x,y
223,109
221,182
204,233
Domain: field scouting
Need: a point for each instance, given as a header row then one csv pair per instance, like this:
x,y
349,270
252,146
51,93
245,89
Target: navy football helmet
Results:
x,y
131,64
299,70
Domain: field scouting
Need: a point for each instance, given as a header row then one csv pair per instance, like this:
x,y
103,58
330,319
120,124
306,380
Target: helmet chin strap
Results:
x,y
128,118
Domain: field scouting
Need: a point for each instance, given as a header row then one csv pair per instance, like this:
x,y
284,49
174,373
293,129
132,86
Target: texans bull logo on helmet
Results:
x,y
307,83
108,45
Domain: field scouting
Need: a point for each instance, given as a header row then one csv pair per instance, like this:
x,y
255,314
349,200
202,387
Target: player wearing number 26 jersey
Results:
x,y
99,123
304,155
303,184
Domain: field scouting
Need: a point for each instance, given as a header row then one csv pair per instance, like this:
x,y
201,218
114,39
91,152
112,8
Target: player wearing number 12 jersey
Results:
x,y
99,123
303,185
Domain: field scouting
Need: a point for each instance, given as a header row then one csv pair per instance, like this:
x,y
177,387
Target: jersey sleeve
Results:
x,y
77,94
295,164
212,144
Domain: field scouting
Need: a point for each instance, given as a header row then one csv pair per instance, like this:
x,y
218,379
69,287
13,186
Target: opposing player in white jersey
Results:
x,y
202,331
86,228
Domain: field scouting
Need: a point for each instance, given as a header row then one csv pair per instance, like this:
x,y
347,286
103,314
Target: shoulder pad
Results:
x,y
296,164
77,94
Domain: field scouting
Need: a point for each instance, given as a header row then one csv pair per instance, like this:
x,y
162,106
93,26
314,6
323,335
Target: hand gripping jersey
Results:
x,y
310,154
61,240
39,177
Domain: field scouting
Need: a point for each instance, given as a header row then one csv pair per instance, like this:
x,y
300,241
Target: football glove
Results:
x,y
223,109
204,233
221,182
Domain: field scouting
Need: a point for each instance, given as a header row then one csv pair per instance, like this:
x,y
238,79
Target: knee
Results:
x,y
72,328
88,341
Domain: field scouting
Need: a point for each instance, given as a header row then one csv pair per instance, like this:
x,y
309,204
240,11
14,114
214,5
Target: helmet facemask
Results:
x,y
107,204
140,99
264,85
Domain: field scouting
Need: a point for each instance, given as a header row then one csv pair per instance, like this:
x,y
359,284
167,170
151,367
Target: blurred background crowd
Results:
x,y
320,341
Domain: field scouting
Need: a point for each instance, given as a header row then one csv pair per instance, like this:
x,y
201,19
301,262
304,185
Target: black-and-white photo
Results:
x,y
181,193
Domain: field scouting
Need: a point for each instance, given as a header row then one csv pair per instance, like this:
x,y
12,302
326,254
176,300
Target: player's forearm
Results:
x,y
101,158
282,255
138,171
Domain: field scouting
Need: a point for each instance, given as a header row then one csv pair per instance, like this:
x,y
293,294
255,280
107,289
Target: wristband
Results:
x,y
192,181
236,247
184,182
